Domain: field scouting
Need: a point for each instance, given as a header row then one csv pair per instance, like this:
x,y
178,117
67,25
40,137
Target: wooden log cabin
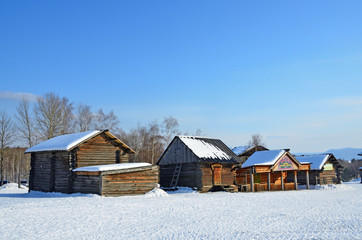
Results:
x,y
325,169
269,171
201,163
53,163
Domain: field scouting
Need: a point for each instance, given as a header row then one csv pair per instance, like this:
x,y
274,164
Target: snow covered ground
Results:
x,y
331,212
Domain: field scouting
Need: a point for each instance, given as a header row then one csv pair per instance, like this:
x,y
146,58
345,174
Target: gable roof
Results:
x,y
70,141
316,161
206,149
239,149
264,158
251,150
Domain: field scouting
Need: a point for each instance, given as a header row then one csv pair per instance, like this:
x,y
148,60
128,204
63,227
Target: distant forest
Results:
x,y
50,116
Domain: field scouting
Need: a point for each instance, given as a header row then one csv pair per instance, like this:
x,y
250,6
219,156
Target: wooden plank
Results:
x,y
251,180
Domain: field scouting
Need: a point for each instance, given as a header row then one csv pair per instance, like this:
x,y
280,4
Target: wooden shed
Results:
x,y
53,161
198,162
269,170
116,179
325,168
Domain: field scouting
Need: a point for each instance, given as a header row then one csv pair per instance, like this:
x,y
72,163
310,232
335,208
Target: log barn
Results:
x,y
269,170
198,162
325,168
53,163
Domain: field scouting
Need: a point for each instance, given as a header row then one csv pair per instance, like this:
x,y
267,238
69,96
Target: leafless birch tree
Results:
x,y
169,129
106,121
25,124
6,138
83,118
52,115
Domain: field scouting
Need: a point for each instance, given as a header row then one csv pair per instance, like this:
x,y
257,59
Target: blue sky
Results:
x,y
289,70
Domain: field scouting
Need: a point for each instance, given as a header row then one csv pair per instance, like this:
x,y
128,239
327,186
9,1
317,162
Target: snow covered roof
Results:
x,y
264,158
240,149
109,167
206,149
69,141
316,161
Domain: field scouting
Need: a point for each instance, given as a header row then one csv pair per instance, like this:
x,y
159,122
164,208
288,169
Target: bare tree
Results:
x,y
67,116
198,132
25,124
256,140
52,115
106,121
135,139
6,138
155,139
169,128
83,118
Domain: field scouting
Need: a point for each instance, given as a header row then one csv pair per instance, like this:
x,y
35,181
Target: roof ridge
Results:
x,y
311,155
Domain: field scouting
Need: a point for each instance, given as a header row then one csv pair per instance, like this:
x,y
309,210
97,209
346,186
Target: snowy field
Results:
x,y
333,212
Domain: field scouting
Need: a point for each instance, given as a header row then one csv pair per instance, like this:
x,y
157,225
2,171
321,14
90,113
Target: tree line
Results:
x,y
50,116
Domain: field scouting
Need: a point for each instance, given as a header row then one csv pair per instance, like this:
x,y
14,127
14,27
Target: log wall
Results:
x,y
87,183
49,172
99,151
227,176
40,173
190,175
138,182
61,172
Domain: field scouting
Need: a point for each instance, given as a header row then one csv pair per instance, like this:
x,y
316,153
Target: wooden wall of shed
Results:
x,y
178,152
86,184
139,182
227,176
190,175
49,172
61,172
40,172
99,151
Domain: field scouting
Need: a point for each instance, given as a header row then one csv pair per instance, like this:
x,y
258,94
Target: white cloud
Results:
x,y
18,96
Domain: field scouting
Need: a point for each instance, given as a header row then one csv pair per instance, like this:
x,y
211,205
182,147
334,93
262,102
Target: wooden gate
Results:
x,y
216,174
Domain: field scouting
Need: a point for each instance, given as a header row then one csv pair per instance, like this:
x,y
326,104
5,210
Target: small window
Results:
x,y
324,181
257,178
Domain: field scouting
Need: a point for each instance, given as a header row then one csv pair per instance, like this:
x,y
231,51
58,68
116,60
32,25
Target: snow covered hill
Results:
x,y
331,212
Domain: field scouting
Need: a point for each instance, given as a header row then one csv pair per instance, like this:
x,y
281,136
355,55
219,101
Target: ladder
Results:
x,y
175,176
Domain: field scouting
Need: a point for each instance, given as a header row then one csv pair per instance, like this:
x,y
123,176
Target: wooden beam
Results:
x,y
268,181
251,180
307,178
282,180
295,180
